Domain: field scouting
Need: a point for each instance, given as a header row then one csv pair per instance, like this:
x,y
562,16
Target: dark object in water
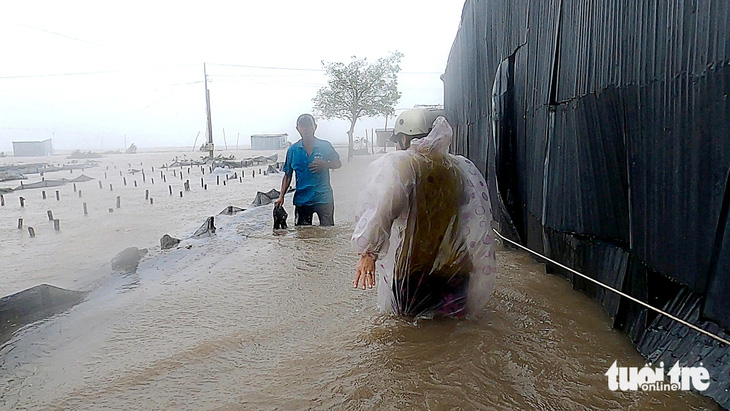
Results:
x,y
280,216
167,242
231,210
88,154
34,304
207,228
265,198
128,260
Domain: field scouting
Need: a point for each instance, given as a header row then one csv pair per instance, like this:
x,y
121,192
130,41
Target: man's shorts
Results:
x,y
325,212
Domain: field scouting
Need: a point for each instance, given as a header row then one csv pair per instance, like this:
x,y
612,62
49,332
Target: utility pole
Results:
x,y
207,110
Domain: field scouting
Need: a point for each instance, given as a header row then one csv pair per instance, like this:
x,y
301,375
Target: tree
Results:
x,y
359,89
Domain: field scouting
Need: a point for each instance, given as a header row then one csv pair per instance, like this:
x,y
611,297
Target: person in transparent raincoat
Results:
x,y
425,221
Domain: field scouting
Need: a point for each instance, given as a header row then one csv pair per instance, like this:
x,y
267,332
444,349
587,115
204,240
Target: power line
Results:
x,y
58,34
310,69
84,73
268,67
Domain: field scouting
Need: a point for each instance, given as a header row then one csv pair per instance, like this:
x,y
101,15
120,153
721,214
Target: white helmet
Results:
x,y
415,122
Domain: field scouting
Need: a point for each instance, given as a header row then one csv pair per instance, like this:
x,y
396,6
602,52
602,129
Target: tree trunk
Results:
x,y
351,144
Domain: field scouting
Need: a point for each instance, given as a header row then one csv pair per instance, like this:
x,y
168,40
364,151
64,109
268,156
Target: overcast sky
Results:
x,y
88,74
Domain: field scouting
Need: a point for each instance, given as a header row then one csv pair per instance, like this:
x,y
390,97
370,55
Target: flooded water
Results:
x,y
253,319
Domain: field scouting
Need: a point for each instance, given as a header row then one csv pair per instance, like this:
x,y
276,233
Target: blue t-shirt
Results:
x,y
312,188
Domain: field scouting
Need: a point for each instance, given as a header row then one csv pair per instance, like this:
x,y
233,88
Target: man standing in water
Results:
x,y
425,218
311,159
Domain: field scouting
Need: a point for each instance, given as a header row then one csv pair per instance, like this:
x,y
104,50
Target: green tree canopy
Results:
x,y
359,89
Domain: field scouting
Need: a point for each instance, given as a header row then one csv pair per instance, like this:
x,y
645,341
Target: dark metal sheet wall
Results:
x,y
603,128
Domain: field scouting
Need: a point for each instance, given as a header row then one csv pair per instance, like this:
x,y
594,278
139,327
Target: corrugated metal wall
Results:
x,y
603,128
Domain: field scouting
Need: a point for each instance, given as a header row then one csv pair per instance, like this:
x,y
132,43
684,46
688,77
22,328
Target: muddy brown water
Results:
x,y
251,319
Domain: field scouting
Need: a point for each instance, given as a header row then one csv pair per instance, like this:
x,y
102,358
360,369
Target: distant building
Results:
x,y
32,148
268,141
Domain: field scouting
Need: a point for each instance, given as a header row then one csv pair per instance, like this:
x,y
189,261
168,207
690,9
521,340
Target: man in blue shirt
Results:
x,y
311,159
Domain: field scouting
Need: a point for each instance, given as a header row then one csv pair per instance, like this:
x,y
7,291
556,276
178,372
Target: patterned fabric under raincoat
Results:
x,y
427,217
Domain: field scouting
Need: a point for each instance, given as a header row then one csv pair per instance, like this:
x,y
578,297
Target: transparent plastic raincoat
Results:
x,y
426,215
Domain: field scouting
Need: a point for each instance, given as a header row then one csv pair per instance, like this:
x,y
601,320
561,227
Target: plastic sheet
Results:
x,y
426,214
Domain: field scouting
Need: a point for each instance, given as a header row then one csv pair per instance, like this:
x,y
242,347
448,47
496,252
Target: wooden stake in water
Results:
x,y
111,210
100,185
164,179
110,187
57,225
119,202
205,187
74,187
181,194
105,175
50,215
86,212
146,194
43,193
31,231
135,183
202,183
58,196
152,200
2,201
143,177
217,180
79,193
170,187
20,223
125,181
22,201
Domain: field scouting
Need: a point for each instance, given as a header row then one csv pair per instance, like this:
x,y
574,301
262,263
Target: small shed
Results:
x,y
268,141
32,148
383,137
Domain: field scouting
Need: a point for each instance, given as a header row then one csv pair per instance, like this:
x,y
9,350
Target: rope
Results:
x,y
677,319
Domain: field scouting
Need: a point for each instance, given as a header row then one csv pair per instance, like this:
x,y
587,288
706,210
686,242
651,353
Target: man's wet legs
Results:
x,y
325,212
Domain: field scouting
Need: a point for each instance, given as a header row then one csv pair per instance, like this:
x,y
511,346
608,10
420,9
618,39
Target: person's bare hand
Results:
x,y
318,165
279,202
365,272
